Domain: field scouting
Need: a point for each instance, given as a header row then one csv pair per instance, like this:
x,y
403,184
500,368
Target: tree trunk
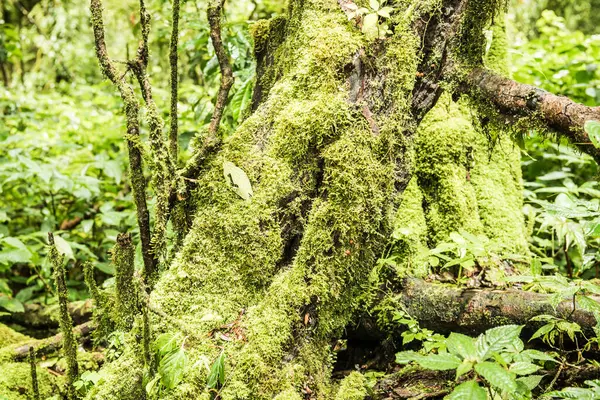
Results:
x,y
340,149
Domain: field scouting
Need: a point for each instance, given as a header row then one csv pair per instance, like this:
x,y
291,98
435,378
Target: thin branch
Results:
x,y
66,323
212,139
163,167
34,379
138,182
173,146
557,113
215,8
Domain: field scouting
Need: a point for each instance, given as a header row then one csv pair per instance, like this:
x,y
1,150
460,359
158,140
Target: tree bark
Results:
x,y
472,311
518,100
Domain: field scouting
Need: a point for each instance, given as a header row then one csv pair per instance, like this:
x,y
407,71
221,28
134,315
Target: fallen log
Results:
x,y
52,344
446,308
39,316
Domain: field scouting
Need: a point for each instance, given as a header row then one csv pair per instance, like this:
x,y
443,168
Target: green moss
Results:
x,y
410,232
15,382
352,387
9,336
122,380
479,16
465,178
126,291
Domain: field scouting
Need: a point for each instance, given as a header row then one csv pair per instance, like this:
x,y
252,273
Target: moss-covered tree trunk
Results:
x,y
335,159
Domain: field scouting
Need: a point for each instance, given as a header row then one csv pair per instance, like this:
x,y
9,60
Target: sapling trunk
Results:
x,y
126,299
66,323
34,380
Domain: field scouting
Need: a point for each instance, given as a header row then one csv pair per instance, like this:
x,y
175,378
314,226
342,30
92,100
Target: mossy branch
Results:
x,y
138,181
34,380
126,304
66,323
90,281
516,100
162,167
54,343
173,133
212,140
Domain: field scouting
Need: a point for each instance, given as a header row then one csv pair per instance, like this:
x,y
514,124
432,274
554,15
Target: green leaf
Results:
x,y
439,362
151,386
15,256
370,27
592,128
469,390
497,339
542,331
11,304
524,368
531,381
404,357
573,393
461,345
496,376
166,343
238,180
374,4
63,247
113,169
172,367
537,355
587,304
385,12
463,368
217,372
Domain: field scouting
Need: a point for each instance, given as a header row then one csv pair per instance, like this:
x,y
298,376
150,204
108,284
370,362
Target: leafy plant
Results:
x,y
497,359
464,250
86,381
592,392
429,339
172,360
216,376
373,19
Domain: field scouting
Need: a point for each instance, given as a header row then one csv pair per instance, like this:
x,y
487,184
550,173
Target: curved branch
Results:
x,y
558,113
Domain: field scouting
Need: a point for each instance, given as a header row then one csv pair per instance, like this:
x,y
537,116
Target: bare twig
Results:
x,y
215,8
138,182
